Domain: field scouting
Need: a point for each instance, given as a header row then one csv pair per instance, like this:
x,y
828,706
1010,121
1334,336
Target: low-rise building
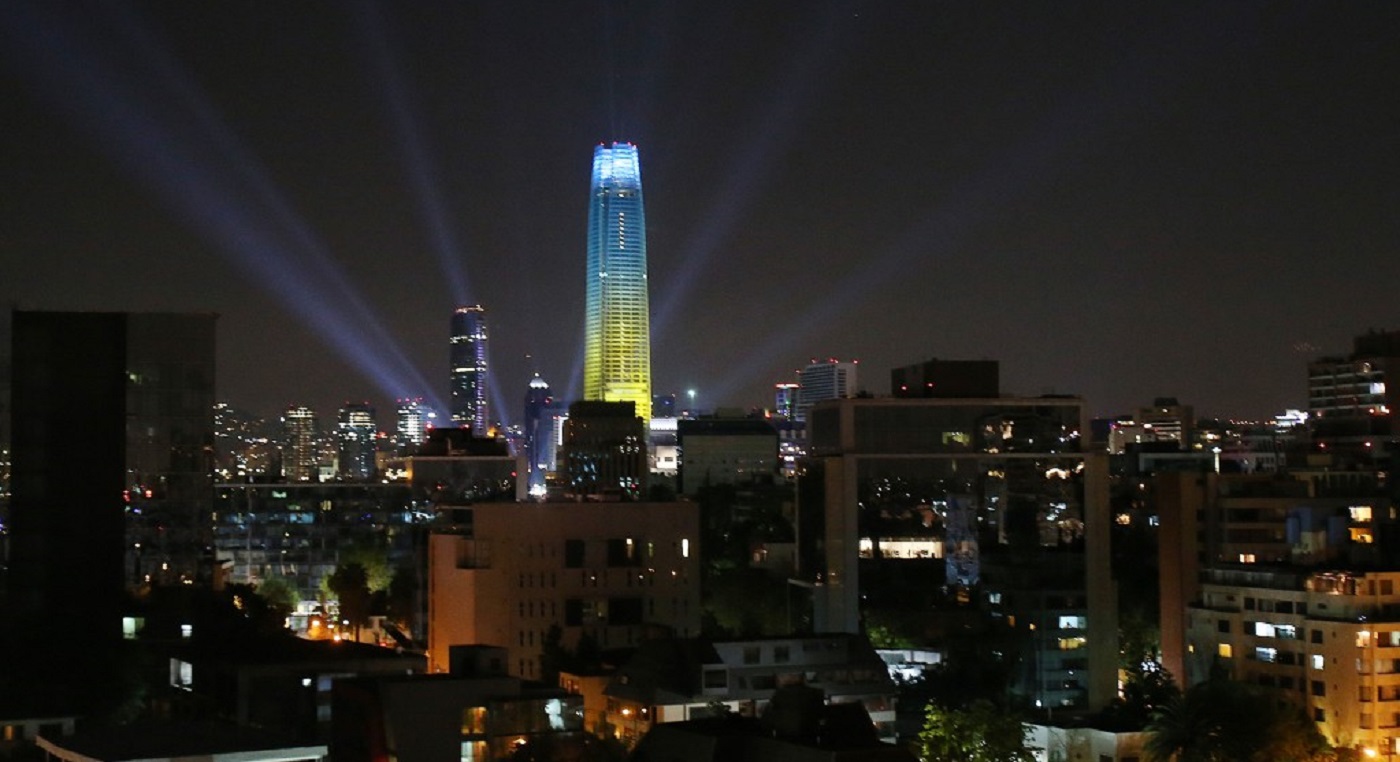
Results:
x,y
678,680
476,712
616,572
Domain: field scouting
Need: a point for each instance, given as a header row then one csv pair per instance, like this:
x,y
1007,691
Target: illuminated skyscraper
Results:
x,y
541,446
299,431
617,333
355,433
411,429
469,368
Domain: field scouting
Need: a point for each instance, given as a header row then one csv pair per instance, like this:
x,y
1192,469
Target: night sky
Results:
x,y
1122,201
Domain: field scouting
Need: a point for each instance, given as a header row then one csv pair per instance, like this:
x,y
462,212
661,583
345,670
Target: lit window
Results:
x,y
1318,661
1225,651
685,548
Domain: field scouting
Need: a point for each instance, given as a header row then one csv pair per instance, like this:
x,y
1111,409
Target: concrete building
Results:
x,y
604,454
726,451
1167,420
112,425
947,379
476,712
678,680
799,727
1011,471
1329,640
508,572
1244,521
827,380
1352,399
1053,743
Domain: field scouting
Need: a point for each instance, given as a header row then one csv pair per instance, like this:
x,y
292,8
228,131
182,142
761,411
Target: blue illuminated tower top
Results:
x,y
617,343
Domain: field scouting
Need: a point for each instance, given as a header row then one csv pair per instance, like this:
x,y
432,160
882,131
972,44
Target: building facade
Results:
x,y
1005,484
509,572
300,445
1328,640
412,422
112,460
828,380
355,436
469,369
541,446
617,322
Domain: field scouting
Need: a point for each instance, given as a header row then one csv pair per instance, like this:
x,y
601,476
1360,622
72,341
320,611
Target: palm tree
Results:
x,y
1224,721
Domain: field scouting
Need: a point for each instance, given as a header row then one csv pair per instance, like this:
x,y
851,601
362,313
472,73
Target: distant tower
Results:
x,y
785,401
617,333
540,444
299,444
411,425
354,435
469,368
828,380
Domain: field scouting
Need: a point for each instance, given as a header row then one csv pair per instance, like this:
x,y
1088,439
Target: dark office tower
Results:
x,y
663,406
947,379
355,433
299,451
469,368
617,323
113,438
785,401
605,451
540,448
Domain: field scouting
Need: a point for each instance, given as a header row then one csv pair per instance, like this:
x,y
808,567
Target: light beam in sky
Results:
x,y
69,67
418,163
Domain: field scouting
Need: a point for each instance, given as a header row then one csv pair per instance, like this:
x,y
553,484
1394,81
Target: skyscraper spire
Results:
x,y
617,332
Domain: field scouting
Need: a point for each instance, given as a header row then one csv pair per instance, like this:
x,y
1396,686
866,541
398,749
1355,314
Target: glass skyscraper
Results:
x,y
469,368
617,348
355,440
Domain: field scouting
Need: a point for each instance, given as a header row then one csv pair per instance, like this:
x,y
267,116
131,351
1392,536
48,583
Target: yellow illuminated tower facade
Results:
x,y
617,338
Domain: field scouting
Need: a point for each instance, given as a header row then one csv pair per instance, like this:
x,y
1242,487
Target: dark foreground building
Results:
x,y
112,421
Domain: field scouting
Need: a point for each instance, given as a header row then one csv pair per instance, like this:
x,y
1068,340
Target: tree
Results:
x,y
279,595
1222,720
350,585
979,733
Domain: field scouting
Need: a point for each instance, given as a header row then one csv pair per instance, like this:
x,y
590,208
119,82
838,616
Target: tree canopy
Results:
x,y
1222,720
980,733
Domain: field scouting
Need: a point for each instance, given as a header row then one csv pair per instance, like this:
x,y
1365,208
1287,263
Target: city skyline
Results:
x,y
1120,203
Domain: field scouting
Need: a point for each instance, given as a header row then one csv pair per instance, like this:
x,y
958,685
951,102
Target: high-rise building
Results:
x,y
1351,402
826,380
605,451
355,433
947,378
1020,507
469,369
541,445
112,463
299,456
785,401
617,333
411,427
